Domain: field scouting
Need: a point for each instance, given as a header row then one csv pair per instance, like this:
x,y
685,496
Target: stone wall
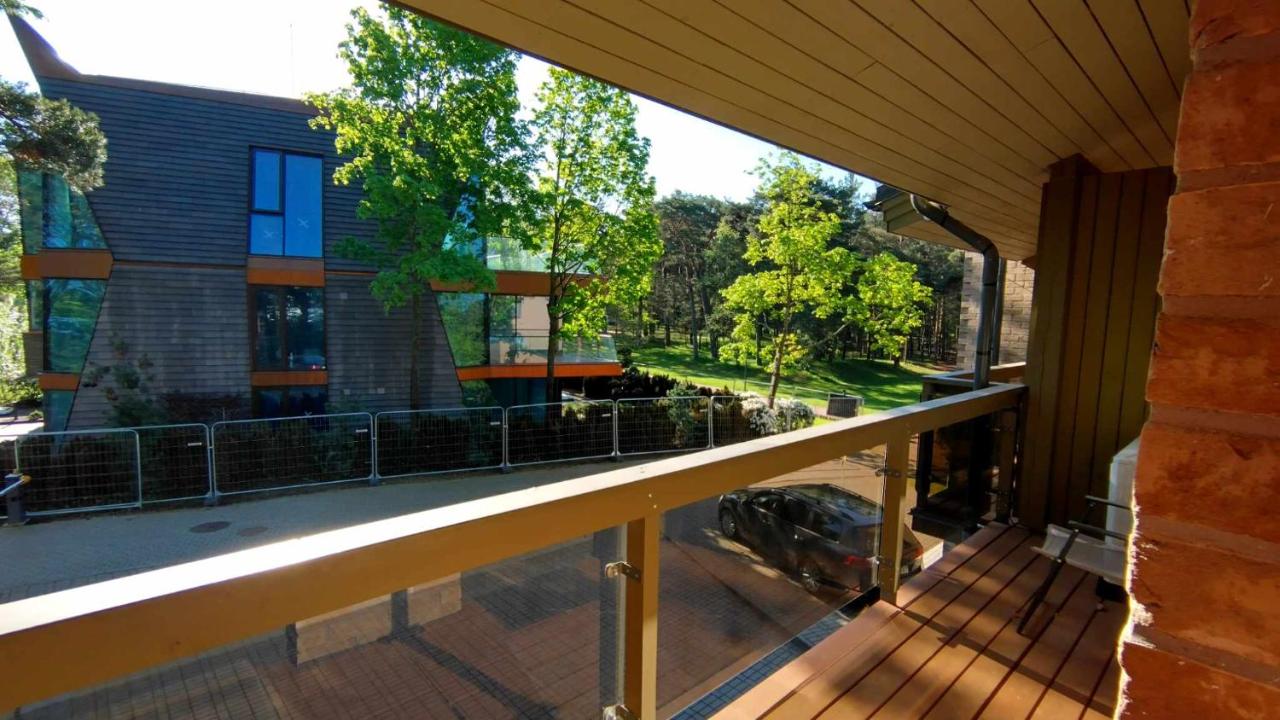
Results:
x,y
1016,325
1207,560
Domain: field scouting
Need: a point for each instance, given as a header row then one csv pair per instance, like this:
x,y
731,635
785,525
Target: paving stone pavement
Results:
x,y
529,637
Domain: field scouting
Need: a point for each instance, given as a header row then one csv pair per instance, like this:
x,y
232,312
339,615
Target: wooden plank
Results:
x,y
640,618
890,51
1106,440
896,458
797,59
1079,33
988,669
1127,31
952,655
967,23
1092,343
1146,303
1073,686
940,46
1072,349
1020,22
877,687
676,50
1022,687
1168,23
1106,696
1044,346
817,694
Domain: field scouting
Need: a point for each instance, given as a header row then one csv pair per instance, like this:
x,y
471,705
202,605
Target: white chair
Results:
x,y
1098,551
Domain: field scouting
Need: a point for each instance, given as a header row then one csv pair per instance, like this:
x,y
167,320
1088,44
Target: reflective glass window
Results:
x,y
266,234
463,315
302,206
84,229
31,207
304,311
266,180
35,305
71,312
290,401
57,409
57,212
268,352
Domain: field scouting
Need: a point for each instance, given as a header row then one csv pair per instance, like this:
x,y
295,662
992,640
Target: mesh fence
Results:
x,y
175,462
656,425
79,470
417,442
257,455
560,431
729,423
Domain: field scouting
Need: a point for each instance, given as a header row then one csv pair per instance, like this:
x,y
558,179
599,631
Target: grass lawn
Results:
x,y
880,384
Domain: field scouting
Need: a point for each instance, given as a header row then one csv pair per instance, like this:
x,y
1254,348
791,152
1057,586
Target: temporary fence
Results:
x,y
423,442
283,453
89,470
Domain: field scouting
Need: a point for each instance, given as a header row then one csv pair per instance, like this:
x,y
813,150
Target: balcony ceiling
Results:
x,y
967,102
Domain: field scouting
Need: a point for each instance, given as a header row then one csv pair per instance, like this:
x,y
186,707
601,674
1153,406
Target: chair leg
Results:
x,y
1041,592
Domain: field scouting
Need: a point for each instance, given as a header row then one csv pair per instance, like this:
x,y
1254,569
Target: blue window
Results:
x,y
289,401
287,214
70,315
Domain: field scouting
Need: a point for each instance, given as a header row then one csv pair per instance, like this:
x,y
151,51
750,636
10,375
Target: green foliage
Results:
x,y
796,268
18,8
430,129
891,303
51,136
594,204
128,387
19,391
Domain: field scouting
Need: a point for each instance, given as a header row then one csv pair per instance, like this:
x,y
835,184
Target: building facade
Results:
x,y
1015,317
204,275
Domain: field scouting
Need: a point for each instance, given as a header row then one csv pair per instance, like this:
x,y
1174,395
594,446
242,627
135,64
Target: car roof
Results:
x,y
838,501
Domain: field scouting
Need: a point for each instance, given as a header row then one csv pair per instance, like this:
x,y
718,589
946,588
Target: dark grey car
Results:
x,y
824,533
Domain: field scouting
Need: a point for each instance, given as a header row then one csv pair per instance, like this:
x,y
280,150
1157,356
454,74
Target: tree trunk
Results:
x,y
553,345
775,374
415,351
713,344
693,323
666,330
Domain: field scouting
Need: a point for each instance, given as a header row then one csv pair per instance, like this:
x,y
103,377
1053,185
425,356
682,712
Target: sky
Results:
x,y
288,47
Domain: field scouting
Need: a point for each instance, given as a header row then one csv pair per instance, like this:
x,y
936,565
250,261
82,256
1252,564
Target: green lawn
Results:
x,y
880,384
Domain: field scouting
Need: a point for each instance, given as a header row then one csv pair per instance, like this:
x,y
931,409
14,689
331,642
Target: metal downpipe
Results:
x,y
990,280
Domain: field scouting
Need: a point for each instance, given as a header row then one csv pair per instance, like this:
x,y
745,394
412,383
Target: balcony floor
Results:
x,y
951,648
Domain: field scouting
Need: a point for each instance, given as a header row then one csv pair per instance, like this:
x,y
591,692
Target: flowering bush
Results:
x,y
762,418
794,414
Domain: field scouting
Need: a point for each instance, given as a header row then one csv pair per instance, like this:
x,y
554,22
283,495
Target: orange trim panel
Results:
x,y
297,272
533,372
59,381
277,378
80,264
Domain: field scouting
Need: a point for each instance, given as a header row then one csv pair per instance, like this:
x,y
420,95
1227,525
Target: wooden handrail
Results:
x,y
68,640
999,373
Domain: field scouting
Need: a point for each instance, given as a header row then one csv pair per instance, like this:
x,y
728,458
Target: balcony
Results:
x,y
525,356
505,254
516,605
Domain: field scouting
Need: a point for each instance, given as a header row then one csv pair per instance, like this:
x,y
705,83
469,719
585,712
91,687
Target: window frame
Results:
x,y
282,183
281,293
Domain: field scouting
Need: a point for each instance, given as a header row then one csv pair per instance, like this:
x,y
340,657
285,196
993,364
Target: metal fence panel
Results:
x,y
80,471
659,425
553,432
281,453
728,424
175,462
420,442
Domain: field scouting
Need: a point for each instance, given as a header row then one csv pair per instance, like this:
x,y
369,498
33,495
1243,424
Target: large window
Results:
x,y
464,320
288,328
286,213
54,215
70,314
278,402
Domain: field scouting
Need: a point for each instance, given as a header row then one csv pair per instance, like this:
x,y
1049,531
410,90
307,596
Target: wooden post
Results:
x,y
1008,440
640,623
897,456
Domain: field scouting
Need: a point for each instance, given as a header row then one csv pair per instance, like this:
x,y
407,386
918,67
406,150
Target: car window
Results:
x,y
830,527
796,512
767,502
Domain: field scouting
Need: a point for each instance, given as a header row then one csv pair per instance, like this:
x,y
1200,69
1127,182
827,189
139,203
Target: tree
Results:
x,y
430,129
891,303
688,225
796,267
596,221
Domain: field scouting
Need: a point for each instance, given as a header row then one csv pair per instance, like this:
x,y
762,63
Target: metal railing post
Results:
x,y
617,453
506,441
897,456
137,464
711,422
640,619
212,499
374,478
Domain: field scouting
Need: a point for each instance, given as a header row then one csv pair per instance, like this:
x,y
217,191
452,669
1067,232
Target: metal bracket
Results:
x,y
614,569
618,712
886,472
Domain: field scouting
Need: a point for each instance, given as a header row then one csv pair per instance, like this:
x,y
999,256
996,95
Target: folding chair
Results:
x,y
1083,546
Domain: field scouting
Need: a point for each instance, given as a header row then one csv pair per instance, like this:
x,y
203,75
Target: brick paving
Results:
x,y
525,640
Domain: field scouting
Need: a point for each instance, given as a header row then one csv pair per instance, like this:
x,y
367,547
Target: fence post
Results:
x,y
711,422
897,456
506,439
211,498
137,463
374,478
617,453
640,619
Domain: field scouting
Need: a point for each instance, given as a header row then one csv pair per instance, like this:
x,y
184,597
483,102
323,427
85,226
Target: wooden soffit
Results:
x,y
296,272
966,102
79,264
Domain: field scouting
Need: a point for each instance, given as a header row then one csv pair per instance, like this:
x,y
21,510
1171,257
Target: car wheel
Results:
x,y
728,524
810,578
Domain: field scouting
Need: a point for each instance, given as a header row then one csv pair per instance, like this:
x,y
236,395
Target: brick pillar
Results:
x,y
1015,326
1207,565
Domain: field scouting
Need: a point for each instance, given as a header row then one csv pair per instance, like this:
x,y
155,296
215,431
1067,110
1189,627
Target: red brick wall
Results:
x,y
1207,571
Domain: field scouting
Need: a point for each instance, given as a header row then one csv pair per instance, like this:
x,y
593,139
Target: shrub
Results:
x,y
794,414
19,391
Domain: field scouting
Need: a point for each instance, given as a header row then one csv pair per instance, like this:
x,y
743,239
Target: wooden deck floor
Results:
x,y
951,649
